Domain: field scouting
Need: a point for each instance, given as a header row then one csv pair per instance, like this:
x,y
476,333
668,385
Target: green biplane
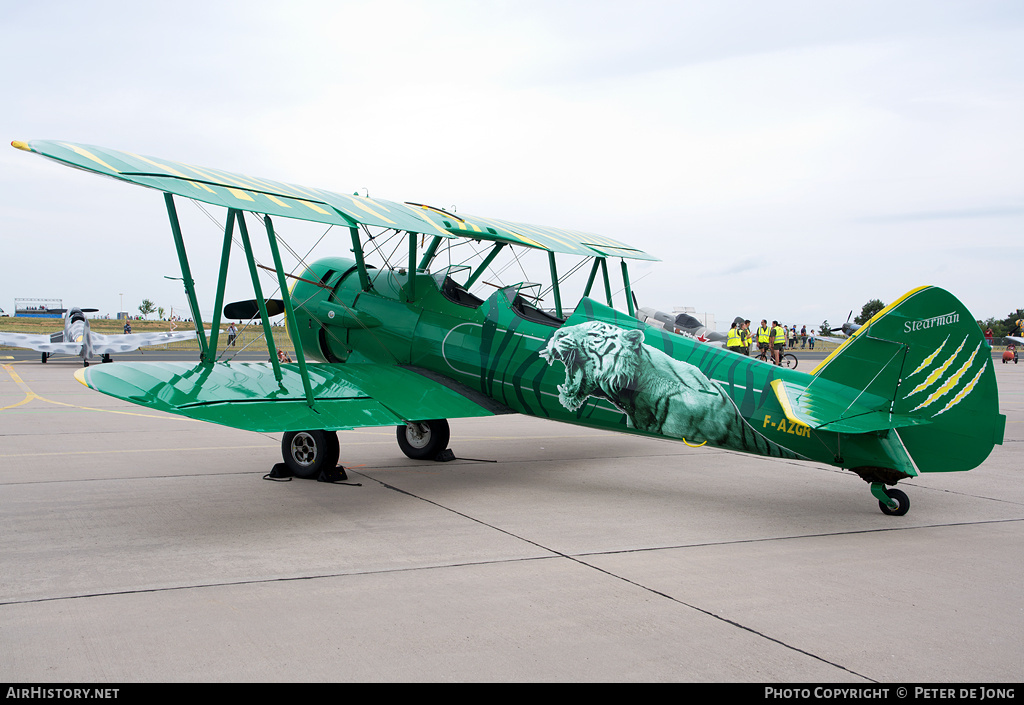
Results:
x,y
911,391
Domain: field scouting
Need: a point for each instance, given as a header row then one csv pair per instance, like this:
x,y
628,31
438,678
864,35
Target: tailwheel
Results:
x,y
423,440
307,453
894,496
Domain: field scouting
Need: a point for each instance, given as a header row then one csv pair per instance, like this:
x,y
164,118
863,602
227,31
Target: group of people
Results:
x,y
770,339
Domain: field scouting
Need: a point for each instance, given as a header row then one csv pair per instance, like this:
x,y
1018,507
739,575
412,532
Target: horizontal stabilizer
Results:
x,y
836,409
247,395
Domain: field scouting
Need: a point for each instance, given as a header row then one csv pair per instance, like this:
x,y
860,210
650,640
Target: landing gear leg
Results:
x,y
891,501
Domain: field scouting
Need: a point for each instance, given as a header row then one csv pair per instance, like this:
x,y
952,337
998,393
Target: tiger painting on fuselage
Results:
x,y
658,394
413,343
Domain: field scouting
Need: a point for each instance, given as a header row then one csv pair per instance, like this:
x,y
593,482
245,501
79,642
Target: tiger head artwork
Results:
x,y
658,393
599,359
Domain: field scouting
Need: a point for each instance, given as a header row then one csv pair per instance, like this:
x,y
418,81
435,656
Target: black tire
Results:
x,y
425,439
789,361
46,356
901,499
306,453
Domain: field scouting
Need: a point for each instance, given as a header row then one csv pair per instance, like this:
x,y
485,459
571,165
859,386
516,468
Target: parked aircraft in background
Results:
x,y
681,324
77,339
409,344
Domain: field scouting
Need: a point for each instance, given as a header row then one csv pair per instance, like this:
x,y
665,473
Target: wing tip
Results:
x,y
23,146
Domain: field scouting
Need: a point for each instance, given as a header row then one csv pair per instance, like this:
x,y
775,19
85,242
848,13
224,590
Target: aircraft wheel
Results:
x,y
306,453
423,440
789,361
901,499
106,358
44,358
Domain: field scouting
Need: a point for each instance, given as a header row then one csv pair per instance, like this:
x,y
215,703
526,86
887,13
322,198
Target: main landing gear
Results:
x,y
308,453
424,440
313,454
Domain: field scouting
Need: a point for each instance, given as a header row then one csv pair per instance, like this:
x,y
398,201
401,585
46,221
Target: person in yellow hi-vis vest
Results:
x,y
764,337
745,336
735,341
778,342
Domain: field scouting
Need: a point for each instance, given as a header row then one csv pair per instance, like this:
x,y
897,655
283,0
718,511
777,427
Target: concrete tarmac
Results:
x,y
142,547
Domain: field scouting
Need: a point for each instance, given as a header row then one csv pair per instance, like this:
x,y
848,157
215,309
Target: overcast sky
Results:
x,y
786,160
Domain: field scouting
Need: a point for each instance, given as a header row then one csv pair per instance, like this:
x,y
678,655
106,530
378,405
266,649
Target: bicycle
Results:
x,y
788,359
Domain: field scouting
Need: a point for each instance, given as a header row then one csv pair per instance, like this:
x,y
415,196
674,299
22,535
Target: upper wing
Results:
x,y
247,395
249,193
43,343
106,344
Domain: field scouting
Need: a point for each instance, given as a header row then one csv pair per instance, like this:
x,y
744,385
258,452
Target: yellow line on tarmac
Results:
x,y
30,395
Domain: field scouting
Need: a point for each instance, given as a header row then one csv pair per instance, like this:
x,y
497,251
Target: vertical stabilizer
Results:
x,y
925,357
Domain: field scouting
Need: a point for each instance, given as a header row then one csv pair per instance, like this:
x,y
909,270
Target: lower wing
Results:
x,y
107,344
248,396
42,343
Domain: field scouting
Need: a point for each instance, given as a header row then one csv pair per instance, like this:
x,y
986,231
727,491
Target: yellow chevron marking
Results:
x,y
277,201
168,169
964,392
172,171
313,206
515,234
426,216
239,194
938,372
89,155
359,204
949,384
928,360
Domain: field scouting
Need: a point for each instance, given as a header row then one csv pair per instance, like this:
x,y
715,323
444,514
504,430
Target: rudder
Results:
x,y
925,358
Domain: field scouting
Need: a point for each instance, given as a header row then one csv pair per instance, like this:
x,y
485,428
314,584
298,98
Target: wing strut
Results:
x,y
629,292
222,278
290,312
186,275
484,265
607,283
357,250
429,254
554,284
258,290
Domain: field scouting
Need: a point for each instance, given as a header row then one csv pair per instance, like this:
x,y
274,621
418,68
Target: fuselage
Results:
x,y
502,348
76,330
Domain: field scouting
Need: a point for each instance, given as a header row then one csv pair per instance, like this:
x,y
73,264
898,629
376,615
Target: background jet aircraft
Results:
x,y
77,339
681,323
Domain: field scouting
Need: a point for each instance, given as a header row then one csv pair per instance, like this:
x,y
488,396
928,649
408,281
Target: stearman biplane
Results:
x,y
410,345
